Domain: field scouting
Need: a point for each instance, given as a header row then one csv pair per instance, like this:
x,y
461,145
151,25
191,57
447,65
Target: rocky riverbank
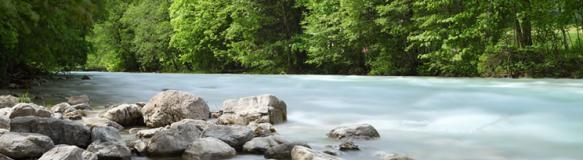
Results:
x,y
171,124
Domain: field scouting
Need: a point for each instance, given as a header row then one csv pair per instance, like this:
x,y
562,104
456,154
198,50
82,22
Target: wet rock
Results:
x,y
235,136
348,146
208,149
262,129
110,150
355,132
175,139
29,109
304,153
257,109
101,122
282,151
24,145
75,100
8,101
125,114
172,106
391,156
67,152
259,145
60,131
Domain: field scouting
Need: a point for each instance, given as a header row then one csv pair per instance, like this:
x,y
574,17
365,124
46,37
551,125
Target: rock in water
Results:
x,y
171,106
29,109
208,149
282,151
125,114
24,145
8,101
60,131
348,146
304,153
355,132
67,152
75,100
257,109
261,144
391,156
235,136
175,139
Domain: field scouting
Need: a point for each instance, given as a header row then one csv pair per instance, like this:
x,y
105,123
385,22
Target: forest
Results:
x,y
461,38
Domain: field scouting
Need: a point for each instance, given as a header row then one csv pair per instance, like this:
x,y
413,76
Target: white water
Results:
x,y
425,118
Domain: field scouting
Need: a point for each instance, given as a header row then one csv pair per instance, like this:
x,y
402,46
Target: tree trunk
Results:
x,y
565,39
524,26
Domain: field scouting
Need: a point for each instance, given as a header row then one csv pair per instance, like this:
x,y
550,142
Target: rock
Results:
x,y
5,112
85,77
257,109
262,129
67,152
348,146
29,109
282,151
4,157
259,145
82,106
172,106
4,123
8,101
235,136
75,115
363,131
149,133
62,108
175,139
82,99
105,134
304,153
110,150
208,149
125,114
391,156
60,131
101,122
24,145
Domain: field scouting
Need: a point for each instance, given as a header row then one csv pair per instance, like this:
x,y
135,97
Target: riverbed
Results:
x,y
422,117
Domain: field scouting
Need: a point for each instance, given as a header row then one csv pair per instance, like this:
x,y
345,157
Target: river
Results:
x,y
423,117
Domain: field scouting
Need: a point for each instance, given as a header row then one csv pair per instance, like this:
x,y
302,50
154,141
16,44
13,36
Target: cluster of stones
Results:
x,y
172,123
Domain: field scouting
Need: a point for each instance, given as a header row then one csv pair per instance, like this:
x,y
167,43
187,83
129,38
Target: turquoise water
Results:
x,y
424,118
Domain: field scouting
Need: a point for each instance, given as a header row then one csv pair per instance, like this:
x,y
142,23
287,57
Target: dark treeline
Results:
x,y
500,38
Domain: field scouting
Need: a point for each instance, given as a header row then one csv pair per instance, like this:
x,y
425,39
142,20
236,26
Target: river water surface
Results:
x,y
424,118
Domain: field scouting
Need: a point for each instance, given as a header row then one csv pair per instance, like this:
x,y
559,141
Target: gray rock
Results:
x,y
82,106
149,133
4,157
358,132
262,129
125,114
282,151
208,149
75,115
259,145
105,134
82,99
67,152
257,109
110,150
60,131
175,139
8,101
5,112
24,145
391,156
101,122
4,123
235,136
348,146
29,109
304,153
62,108
172,106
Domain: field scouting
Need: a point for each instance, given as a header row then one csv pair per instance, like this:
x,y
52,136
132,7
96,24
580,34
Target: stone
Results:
x,y
235,136
262,129
348,146
282,151
75,115
125,114
391,156
4,157
7,101
110,150
354,132
105,134
24,145
85,77
257,109
304,153
60,131
172,106
82,106
82,99
29,109
100,122
62,108
4,123
175,139
208,149
259,145
149,133
67,152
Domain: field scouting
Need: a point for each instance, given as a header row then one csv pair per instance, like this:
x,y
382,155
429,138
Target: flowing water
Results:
x,y
424,118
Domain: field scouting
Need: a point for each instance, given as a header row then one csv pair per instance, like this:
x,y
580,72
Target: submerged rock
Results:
x,y
8,101
354,132
257,109
24,145
67,152
259,145
172,106
60,131
125,114
304,153
208,149
29,109
282,151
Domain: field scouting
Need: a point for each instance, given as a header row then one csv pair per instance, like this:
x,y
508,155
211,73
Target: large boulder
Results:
x,y
235,136
257,109
110,150
259,145
67,152
75,100
282,151
172,106
60,131
29,109
24,145
304,153
208,149
354,132
125,114
8,101
174,139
